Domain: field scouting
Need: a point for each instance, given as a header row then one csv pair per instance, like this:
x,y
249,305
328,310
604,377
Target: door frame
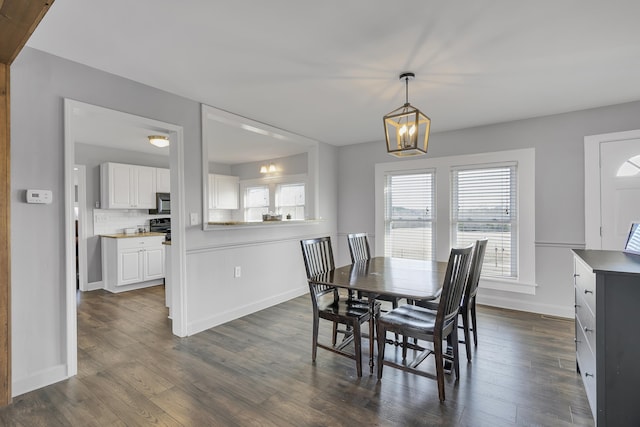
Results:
x,y
592,190
80,172
178,252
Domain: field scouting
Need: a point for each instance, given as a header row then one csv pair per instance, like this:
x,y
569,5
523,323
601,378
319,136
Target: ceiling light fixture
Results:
x,y
406,128
159,140
271,168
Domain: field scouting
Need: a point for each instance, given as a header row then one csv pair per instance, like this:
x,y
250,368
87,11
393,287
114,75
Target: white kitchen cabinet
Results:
x,y
125,186
163,180
223,191
132,262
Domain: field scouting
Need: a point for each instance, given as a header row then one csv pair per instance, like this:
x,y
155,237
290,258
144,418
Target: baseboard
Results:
x,y
237,312
94,286
514,304
39,379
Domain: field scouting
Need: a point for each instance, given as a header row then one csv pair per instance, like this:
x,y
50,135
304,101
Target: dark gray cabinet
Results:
x,y
607,310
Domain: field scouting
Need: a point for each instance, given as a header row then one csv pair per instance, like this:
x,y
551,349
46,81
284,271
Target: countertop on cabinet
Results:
x,y
167,242
128,236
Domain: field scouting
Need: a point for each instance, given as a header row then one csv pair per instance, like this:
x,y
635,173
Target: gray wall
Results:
x,y
92,156
559,217
39,84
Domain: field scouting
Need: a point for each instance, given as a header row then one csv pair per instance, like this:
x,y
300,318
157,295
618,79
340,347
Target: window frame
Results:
x,y
272,183
513,205
431,220
525,158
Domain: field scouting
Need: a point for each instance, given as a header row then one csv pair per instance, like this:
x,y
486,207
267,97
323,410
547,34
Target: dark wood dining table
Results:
x,y
398,277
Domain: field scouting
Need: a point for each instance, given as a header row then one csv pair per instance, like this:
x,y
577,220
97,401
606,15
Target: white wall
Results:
x,y
39,84
559,144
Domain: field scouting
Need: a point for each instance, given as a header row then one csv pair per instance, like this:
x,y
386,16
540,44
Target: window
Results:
x,y
283,195
256,202
483,204
472,196
290,200
408,219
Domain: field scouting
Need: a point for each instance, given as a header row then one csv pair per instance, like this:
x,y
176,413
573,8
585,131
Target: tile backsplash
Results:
x,y
112,221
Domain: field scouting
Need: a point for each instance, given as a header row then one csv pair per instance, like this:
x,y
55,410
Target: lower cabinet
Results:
x,y
132,262
607,294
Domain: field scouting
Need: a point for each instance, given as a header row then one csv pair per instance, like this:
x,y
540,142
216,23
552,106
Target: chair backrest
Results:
x,y
474,270
453,287
358,246
318,259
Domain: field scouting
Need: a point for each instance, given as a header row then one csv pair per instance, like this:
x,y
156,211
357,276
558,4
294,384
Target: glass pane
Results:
x,y
408,216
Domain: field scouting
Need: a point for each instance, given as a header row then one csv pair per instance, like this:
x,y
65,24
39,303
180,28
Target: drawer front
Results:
x,y
585,282
586,321
587,363
139,242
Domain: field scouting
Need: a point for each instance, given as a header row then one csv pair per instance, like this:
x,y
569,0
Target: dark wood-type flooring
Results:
x,y
257,371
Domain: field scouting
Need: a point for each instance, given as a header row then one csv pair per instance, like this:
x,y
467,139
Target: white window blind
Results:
x,y
409,215
256,202
290,200
484,203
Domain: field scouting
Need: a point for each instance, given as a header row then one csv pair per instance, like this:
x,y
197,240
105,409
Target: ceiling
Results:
x,y
329,69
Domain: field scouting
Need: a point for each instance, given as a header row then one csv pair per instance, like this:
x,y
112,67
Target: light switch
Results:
x,y
194,218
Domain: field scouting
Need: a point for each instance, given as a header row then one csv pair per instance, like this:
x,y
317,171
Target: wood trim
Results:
x,y
18,20
5,236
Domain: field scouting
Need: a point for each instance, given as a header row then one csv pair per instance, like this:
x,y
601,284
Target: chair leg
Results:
x,y
314,344
357,344
394,304
456,351
405,341
465,327
437,351
334,336
381,338
473,321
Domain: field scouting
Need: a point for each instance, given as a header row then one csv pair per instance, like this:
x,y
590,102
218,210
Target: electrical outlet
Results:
x,y
194,218
237,271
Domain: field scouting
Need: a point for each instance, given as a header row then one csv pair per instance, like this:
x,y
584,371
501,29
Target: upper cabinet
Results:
x,y
127,186
223,191
163,180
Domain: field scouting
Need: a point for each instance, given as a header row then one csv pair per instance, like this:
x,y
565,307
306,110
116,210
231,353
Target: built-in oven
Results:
x,y
163,204
161,225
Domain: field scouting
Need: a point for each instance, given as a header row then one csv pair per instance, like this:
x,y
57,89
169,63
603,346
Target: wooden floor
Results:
x,y
257,371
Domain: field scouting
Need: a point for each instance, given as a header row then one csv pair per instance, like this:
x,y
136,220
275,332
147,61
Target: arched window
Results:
x,y
631,167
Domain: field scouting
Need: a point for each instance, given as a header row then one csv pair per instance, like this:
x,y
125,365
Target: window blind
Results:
x,y
409,215
484,203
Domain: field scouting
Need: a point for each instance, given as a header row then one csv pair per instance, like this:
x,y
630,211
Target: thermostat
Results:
x,y
39,196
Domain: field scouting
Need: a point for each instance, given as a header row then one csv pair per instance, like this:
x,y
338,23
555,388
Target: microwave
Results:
x,y
163,204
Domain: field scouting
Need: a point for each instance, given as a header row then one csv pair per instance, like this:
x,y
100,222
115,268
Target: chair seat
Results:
x,y
410,317
340,308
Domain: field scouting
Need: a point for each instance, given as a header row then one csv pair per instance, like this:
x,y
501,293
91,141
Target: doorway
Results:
x,y
76,116
612,194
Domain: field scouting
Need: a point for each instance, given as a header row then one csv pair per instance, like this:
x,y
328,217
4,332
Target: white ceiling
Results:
x,y
328,69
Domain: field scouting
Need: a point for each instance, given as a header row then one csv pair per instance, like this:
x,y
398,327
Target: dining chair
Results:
x,y
424,324
468,305
359,250
326,303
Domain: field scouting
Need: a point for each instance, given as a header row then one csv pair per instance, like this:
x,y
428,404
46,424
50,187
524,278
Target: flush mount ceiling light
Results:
x,y
159,140
406,128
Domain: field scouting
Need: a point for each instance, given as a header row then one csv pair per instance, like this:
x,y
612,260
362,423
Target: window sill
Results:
x,y
228,225
508,286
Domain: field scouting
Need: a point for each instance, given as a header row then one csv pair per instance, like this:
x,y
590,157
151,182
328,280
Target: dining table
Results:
x,y
398,277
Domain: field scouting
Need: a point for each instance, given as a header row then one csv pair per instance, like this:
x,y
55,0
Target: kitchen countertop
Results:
x,y
127,236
